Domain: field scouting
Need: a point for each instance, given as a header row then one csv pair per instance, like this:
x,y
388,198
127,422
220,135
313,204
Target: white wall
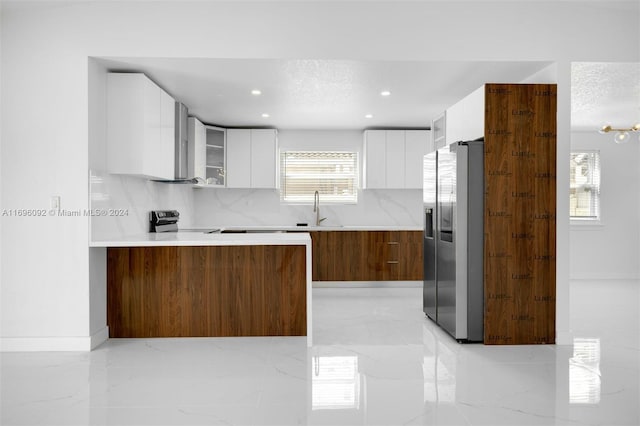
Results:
x,y
45,287
610,250
45,264
229,207
547,75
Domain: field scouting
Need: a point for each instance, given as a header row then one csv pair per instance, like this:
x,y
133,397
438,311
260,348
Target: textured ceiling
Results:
x,y
604,93
337,94
320,94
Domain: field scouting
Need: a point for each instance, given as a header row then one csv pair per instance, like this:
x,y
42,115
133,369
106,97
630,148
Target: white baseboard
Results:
x,y
54,344
367,284
100,337
604,277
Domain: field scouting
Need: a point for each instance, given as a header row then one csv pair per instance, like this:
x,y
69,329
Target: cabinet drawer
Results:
x,y
366,255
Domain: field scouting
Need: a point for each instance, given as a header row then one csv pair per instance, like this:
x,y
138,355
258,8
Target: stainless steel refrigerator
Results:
x,y
453,195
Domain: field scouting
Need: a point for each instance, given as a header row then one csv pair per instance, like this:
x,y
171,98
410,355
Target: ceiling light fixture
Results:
x,y
385,93
368,116
622,135
265,115
256,92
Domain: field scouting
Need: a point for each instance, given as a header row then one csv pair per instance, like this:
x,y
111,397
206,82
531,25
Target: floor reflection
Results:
x,y
438,369
335,383
584,372
376,360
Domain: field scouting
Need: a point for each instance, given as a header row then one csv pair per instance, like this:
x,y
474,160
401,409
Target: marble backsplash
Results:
x,y
255,207
120,204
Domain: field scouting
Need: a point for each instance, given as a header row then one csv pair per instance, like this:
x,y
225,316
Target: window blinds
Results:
x,y
333,174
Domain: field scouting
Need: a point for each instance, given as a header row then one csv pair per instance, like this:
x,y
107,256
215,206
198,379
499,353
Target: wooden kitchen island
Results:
x,y
209,285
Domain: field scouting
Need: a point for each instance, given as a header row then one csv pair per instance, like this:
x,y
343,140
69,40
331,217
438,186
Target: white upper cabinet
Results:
x,y
393,158
252,158
238,158
197,136
438,133
215,154
165,160
465,119
264,160
206,152
416,144
375,152
140,127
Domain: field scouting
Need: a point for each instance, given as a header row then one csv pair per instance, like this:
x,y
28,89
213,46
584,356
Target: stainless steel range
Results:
x,y
167,221
163,220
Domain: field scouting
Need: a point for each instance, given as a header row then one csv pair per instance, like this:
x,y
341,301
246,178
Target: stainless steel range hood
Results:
x,y
181,148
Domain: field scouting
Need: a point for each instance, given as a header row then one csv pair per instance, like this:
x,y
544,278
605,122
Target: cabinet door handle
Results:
x,y
392,242
392,261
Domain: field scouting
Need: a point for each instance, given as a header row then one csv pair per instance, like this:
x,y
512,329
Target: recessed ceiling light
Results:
x,y
385,93
265,115
368,116
256,92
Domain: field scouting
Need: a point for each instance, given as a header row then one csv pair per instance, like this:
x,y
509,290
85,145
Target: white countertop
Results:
x,y
324,228
203,239
266,235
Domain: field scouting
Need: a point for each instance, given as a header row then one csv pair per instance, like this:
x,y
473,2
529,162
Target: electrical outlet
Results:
x,y
55,202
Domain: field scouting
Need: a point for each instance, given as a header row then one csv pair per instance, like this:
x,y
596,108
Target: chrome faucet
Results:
x,y
316,207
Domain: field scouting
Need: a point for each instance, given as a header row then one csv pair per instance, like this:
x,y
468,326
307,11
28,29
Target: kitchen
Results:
x,y
81,316
390,160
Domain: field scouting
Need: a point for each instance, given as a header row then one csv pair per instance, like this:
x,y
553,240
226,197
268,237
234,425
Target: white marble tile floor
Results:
x,y
376,360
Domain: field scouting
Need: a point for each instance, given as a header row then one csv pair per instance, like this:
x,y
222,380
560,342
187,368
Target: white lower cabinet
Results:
x,y
252,158
393,158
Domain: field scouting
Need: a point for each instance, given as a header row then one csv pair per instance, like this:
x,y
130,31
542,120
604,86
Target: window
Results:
x,y
584,190
333,174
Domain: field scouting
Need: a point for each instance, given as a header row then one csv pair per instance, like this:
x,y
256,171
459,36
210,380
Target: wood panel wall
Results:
x,y
520,214
206,291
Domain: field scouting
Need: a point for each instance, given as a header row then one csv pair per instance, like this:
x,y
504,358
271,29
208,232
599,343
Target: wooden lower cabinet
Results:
x,y
206,291
367,255
411,265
